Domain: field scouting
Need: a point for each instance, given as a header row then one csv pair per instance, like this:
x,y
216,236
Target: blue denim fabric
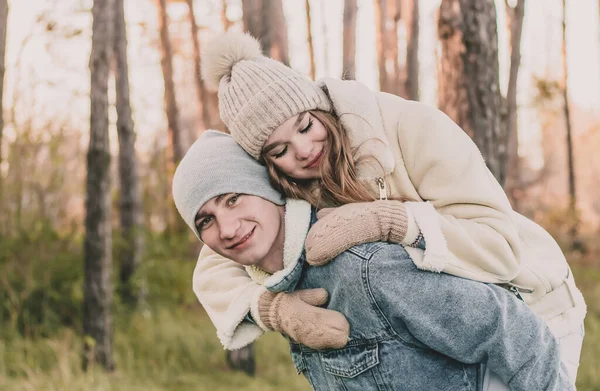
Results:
x,y
417,330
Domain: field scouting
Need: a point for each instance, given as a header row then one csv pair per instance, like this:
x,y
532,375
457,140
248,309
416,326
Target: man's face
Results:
x,y
244,228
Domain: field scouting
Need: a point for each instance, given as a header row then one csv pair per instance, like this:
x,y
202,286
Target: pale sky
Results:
x,y
66,72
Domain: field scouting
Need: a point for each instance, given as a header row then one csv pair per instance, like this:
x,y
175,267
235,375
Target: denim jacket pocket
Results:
x,y
351,361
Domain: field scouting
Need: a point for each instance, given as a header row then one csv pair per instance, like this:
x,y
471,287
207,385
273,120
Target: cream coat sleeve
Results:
x,y
470,207
227,293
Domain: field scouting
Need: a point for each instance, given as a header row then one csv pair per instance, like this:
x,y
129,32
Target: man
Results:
x,y
409,329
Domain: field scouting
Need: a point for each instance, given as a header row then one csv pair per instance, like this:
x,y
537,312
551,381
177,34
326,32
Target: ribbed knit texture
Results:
x,y
259,94
340,228
298,315
214,165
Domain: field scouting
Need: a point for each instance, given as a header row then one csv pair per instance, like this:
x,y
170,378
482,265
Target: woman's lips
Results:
x,y
315,162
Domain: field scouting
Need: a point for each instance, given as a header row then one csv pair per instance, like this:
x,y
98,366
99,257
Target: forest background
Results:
x,y
101,99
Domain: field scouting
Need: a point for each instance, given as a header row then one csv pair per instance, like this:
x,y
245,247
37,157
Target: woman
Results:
x,y
338,143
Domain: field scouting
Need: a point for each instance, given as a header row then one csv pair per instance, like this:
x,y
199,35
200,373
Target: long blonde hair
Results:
x,y
338,184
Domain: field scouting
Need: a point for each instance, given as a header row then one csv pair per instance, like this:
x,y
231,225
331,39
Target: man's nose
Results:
x,y
228,227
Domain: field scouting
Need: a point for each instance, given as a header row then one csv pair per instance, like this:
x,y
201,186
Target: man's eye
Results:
x,y
204,223
233,199
280,154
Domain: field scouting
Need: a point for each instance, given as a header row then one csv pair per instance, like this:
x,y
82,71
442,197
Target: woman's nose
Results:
x,y
303,151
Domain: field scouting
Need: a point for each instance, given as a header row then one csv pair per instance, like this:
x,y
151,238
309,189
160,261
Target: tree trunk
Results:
x,y
567,114
242,359
97,288
309,38
174,132
252,18
324,34
200,89
224,19
409,79
468,83
515,16
380,41
387,15
349,51
131,217
3,25
392,65
264,19
273,21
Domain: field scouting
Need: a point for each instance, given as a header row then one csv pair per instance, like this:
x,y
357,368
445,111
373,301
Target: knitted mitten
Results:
x,y
297,315
348,225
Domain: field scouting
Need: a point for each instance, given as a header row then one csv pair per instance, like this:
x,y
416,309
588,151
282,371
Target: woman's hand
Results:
x,y
340,228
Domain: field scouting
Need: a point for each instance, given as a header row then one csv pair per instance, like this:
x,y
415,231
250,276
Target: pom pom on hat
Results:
x,y
256,93
223,52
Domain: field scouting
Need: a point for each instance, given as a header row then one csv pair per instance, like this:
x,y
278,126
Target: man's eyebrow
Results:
x,y
218,200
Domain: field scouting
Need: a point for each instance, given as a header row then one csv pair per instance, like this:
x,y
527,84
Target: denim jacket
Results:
x,y
416,330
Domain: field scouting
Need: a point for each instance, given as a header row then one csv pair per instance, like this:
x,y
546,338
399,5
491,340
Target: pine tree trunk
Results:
x,y
275,31
392,17
380,41
468,83
3,25
515,16
325,35
567,115
309,39
172,111
244,358
97,288
349,37
387,15
264,19
252,17
410,72
200,89
131,216
224,19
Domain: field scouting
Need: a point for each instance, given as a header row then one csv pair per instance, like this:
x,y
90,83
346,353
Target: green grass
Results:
x,y
170,350
588,280
171,345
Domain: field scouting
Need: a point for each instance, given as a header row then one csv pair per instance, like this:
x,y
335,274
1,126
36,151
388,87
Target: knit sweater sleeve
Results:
x,y
470,213
228,295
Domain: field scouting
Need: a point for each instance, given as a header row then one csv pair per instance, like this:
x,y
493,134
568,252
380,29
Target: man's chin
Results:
x,y
247,260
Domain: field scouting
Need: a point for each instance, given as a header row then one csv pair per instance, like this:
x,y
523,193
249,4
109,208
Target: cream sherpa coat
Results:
x,y
469,226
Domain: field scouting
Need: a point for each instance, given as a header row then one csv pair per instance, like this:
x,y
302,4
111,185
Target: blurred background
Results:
x,y
101,99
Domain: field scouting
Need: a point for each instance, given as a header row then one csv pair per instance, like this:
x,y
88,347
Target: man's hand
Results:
x,y
297,315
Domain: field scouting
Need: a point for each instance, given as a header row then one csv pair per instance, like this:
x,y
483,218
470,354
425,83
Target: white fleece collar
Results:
x,y
297,223
359,113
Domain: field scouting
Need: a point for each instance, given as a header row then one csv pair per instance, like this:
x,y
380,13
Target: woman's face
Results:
x,y
296,147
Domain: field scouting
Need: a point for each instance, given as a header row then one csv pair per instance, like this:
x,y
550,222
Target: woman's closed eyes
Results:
x,y
301,131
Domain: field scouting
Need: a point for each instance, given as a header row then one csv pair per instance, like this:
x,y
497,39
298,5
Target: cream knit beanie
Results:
x,y
214,165
256,93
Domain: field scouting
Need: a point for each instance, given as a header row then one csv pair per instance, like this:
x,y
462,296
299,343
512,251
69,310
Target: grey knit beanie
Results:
x,y
256,93
214,165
